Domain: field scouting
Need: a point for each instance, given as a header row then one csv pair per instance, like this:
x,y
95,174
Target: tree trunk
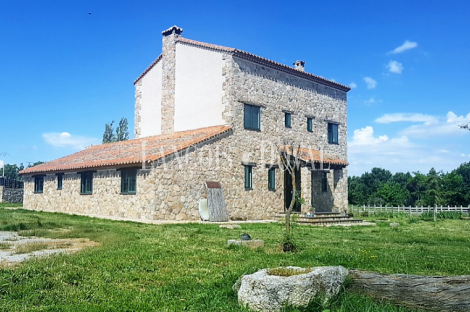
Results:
x,y
431,293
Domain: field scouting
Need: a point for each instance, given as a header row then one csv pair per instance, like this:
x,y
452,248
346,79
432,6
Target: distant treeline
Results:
x,y
381,187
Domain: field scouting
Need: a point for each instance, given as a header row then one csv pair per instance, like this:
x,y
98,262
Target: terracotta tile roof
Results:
x,y
310,155
128,153
149,68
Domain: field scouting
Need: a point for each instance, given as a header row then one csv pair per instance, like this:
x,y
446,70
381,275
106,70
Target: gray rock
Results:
x,y
254,243
263,292
394,224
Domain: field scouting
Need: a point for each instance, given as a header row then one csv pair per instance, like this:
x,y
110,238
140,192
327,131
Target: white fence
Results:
x,y
409,210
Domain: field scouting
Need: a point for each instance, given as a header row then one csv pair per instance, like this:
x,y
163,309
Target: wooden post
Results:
x,y
435,210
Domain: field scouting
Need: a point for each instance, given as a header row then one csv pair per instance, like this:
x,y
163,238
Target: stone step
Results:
x,y
324,219
336,222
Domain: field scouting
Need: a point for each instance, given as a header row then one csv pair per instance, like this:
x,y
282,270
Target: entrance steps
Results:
x,y
323,219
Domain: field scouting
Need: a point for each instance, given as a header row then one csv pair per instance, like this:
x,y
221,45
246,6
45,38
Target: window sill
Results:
x,y
248,188
38,192
272,190
86,193
134,193
333,143
256,130
59,189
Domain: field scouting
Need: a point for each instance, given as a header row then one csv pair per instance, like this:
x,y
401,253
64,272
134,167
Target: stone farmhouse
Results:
x,y
205,112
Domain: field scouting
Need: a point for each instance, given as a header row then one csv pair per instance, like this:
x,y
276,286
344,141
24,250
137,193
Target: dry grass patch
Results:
x,y
30,247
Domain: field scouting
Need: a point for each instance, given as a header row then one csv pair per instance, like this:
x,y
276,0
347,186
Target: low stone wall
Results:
x,y
11,195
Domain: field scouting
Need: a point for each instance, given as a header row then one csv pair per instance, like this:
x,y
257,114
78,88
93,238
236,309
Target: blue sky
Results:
x,y
64,73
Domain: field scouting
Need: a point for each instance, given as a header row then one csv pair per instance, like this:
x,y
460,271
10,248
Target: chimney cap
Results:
x,y
299,65
173,29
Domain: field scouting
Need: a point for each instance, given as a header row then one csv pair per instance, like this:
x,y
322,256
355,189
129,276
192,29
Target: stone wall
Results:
x,y
11,195
106,199
275,92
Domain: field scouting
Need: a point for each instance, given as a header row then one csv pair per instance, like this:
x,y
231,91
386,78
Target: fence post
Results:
x,y
461,209
435,210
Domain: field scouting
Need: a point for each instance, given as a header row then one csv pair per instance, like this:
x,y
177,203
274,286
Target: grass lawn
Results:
x,y
140,267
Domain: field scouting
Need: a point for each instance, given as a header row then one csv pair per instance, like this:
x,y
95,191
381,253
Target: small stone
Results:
x,y
394,224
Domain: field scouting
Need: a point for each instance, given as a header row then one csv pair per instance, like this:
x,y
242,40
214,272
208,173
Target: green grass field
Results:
x,y
140,267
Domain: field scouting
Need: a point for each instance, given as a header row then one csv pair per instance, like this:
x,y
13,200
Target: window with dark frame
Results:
x,y
288,117
38,184
252,117
324,182
309,124
332,133
86,185
248,177
272,179
60,177
128,181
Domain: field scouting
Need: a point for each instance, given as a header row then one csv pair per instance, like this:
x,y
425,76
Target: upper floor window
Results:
x,y
309,125
129,181
60,177
86,185
252,117
287,121
38,184
332,133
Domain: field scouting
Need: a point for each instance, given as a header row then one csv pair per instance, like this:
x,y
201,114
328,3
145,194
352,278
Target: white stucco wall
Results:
x,y
198,90
151,98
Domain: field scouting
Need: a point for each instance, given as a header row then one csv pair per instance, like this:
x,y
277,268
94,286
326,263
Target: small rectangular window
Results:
x,y
129,181
252,117
86,186
60,177
248,177
309,125
332,133
324,182
288,120
272,179
38,184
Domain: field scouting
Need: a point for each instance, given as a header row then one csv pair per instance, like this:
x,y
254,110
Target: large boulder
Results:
x,y
264,292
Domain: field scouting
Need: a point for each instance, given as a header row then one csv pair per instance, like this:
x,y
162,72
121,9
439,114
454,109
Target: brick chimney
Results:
x,y
300,65
170,37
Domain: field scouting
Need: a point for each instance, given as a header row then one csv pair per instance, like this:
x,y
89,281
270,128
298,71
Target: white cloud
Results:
x,y
353,85
367,150
65,139
406,46
389,118
395,67
371,83
441,126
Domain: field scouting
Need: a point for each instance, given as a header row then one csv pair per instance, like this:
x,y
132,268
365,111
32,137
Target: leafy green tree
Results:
x,y
108,135
394,194
122,133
